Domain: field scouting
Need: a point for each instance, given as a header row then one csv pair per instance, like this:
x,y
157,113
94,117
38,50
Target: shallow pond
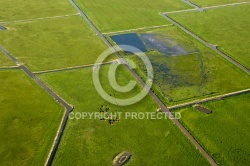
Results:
x,y
146,42
130,39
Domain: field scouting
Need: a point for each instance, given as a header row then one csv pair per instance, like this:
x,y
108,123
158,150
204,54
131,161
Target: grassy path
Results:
x,y
8,67
74,67
230,4
204,8
129,30
42,18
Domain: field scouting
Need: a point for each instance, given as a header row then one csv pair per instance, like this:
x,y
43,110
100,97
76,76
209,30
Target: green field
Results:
x,y
5,61
112,15
179,79
48,35
29,120
226,27
225,132
94,142
68,41
204,3
11,10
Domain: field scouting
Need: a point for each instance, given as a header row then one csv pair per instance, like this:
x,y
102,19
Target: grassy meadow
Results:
x,y
29,120
5,61
197,75
95,142
53,43
225,132
12,10
128,14
226,27
30,117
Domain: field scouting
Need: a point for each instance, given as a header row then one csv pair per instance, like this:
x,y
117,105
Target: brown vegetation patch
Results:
x,y
202,109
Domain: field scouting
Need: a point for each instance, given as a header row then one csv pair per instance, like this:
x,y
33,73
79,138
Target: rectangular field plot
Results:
x,y
5,61
89,141
224,133
112,15
54,43
21,10
184,69
204,3
225,27
29,120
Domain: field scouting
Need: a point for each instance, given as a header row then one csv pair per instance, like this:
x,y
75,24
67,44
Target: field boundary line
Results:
x,y
58,137
209,99
193,5
209,45
9,67
205,8
142,28
41,18
224,5
56,97
179,11
151,93
75,67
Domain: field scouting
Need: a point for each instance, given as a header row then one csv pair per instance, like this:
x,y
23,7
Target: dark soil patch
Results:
x,y
202,109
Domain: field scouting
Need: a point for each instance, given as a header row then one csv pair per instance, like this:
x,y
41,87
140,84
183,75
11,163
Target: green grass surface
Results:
x,y
225,132
5,61
54,43
179,79
94,142
112,15
29,120
226,27
27,9
204,3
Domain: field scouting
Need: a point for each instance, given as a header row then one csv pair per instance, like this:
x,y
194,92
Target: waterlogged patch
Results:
x,y
148,42
164,45
2,28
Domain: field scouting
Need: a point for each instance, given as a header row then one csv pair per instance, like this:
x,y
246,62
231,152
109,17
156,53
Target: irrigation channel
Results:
x,y
157,100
